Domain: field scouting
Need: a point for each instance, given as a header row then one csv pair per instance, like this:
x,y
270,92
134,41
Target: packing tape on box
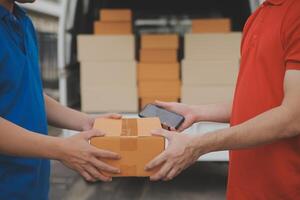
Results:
x,y
129,128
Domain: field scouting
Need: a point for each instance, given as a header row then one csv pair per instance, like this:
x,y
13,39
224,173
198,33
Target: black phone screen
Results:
x,y
170,119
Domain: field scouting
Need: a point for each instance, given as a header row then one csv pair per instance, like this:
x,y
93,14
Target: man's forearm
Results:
x,y
63,117
213,112
278,123
17,141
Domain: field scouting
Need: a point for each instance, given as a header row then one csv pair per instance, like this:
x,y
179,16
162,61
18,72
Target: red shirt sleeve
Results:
x,y
291,36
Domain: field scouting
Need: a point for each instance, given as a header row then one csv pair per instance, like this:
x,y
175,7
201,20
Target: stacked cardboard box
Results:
x,y
114,21
159,69
108,68
208,81
210,67
222,25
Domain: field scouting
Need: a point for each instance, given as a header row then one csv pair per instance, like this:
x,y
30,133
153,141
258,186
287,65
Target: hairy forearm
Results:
x,y
213,112
278,123
63,117
17,141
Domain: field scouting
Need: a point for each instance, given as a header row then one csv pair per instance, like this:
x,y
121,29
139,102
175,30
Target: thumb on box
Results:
x,y
92,133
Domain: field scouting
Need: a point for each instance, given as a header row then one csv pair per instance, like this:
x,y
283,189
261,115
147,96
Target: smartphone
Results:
x,y
167,118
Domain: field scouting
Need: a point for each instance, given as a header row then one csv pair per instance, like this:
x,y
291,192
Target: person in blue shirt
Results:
x,y
25,111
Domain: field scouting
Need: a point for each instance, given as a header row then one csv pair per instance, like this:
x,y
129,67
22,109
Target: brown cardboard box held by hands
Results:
x,y
131,139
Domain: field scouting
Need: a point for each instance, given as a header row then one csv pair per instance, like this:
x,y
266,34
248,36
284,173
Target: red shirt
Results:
x,y
270,46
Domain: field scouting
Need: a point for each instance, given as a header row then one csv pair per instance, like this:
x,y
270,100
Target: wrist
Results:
x,y
200,113
194,148
194,114
202,144
58,150
86,122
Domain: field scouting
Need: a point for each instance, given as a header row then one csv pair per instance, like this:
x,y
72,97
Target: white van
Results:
x,y
69,18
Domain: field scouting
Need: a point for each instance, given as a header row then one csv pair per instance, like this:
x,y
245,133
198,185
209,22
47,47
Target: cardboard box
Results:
x,y
146,101
167,89
106,48
159,41
209,73
109,98
98,73
207,56
116,15
196,95
158,71
112,28
212,46
131,139
222,25
211,40
158,55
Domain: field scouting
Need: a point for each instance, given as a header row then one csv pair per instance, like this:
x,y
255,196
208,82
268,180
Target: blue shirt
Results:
x,y
22,103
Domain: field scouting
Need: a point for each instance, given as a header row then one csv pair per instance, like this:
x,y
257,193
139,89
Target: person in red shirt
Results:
x,y
264,137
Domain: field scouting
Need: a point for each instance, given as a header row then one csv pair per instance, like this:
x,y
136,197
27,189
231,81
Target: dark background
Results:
x,y
237,10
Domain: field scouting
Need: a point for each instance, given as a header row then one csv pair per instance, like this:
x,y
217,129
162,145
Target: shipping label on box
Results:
x,y
158,71
159,55
112,28
116,15
222,25
131,139
106,48
167,89
109,98
114,73
159,41
210,73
